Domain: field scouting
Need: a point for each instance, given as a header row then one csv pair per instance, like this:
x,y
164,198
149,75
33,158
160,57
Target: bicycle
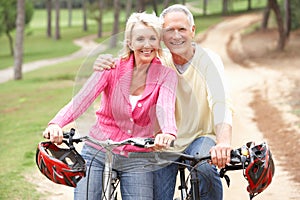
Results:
x,y
240,160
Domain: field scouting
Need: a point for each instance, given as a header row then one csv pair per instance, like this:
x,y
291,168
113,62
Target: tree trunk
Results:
x,y
114,38
69,2
85,27
10,39
282,39
249,5
154,3
57,27
205,7
225,7
100,4
128,8
266,16
140,6
166,3
49,17
20,23
288,20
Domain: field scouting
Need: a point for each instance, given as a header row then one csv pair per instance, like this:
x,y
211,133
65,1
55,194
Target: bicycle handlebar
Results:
x,y
239,157
139,142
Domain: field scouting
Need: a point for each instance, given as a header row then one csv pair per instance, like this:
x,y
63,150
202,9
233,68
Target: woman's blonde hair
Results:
x,y
150,20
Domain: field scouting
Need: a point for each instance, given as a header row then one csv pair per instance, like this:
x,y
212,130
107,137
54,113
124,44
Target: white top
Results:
x,y
133,100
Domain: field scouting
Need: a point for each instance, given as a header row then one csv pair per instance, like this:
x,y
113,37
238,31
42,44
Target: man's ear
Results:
x,y
193,30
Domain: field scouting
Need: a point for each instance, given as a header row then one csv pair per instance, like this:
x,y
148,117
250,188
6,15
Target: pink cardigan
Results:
x,y
115,119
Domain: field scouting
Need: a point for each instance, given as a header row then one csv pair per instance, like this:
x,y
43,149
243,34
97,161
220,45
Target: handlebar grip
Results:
x,y
151,142
66,135
235,157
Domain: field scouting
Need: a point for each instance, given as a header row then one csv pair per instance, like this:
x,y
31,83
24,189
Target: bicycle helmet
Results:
x,y
60,165
260,170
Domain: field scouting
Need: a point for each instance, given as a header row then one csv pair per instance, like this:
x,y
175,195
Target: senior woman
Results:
x,y
138,100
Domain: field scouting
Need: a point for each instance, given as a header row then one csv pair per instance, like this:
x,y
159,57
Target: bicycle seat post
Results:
x,y
182,187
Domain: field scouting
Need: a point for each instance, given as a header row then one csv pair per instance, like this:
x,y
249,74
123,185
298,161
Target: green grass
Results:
x,y
26,106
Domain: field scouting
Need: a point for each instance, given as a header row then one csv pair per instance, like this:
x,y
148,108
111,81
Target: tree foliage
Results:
x,y
295,14
8,16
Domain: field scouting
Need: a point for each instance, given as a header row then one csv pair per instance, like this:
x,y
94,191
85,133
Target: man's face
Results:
x,y
178,34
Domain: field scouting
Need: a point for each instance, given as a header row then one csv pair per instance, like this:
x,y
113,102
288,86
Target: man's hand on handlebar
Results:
x,y
220,155
104,62
54,133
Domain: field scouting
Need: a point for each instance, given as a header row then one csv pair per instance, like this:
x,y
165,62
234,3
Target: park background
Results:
x,y
29,102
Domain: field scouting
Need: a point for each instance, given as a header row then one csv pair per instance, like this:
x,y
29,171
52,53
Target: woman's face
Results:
x,y
144,43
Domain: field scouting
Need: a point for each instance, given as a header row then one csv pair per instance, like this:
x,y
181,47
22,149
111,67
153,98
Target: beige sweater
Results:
x,y
202,97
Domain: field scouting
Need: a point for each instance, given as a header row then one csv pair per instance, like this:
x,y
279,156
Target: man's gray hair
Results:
x,y
177,8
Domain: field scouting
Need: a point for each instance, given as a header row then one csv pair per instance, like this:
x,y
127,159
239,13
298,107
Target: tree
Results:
x,y
224,7
140,6
266,15
101,6
295,14
69,4
20,23
288,20
282,37
128,8
205,7
154,3
249,7
113,40
85,27
8,16
57,26
49,18
166,3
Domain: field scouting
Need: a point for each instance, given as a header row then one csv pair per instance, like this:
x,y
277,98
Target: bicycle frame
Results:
x,y
238,162
183,186
108,183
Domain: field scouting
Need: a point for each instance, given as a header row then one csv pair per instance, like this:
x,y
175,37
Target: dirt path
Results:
x,y
243,82
247,85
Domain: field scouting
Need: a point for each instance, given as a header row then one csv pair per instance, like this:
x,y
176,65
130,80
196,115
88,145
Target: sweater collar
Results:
x,y
127,66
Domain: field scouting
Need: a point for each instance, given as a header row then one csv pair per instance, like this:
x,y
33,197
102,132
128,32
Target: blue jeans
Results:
x,y
210,182
136,182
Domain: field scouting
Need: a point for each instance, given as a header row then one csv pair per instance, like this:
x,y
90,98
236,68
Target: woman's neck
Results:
x,y
141,68
139,77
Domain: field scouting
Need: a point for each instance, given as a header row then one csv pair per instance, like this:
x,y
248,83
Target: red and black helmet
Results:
x,y
62,166
260,170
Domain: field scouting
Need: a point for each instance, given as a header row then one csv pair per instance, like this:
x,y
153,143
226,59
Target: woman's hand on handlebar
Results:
x,y
163,140
54,133
104,62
